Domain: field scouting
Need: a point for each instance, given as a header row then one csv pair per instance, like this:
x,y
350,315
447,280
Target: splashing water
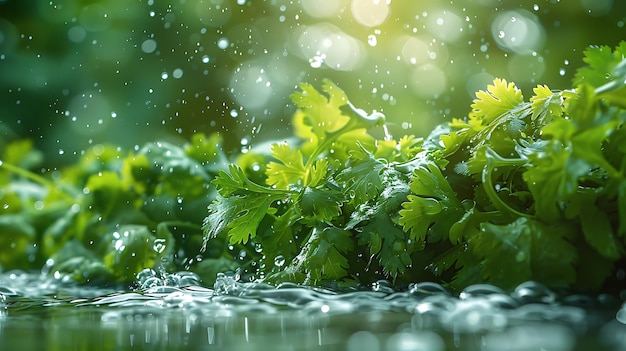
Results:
x,y
174,310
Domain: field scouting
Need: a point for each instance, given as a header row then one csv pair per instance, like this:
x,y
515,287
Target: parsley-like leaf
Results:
x,y
500,98
290,170
525,250
433,202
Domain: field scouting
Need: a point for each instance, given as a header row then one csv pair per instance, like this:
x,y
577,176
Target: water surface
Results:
x,y
42,313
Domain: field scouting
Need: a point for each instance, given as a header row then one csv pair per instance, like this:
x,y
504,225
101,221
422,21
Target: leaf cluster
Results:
x,y
518,190
533,189
110,215
327,209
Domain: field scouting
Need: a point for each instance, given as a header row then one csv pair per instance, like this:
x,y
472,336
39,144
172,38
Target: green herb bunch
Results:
x,y
110,215
518,190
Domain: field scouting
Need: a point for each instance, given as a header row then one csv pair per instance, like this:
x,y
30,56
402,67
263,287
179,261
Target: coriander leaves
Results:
x,y
519,190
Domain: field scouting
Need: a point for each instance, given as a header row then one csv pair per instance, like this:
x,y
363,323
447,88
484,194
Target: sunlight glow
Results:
x,y
370,13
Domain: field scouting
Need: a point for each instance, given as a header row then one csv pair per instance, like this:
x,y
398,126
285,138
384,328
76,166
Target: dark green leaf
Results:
x,y
320,204
598,232
525,250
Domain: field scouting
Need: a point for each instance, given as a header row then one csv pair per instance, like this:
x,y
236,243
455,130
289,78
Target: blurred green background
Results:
x,y
74,73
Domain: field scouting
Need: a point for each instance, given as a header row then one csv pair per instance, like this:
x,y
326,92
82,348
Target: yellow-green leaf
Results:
x,y
500,97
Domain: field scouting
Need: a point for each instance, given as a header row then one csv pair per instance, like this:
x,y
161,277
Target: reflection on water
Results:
x,y
40,313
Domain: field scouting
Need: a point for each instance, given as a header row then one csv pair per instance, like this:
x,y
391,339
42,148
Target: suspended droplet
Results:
x,y
279,261
371,39
223,43
317,61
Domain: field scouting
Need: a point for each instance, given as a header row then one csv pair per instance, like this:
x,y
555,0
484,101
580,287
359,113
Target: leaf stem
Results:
x,y
357,119
34,177
493,161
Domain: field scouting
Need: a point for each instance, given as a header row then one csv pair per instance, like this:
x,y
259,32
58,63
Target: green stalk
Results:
x,y
493,161
357,119
34,177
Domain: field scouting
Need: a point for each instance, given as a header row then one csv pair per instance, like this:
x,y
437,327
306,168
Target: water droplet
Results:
x,y
178,73
258,247
382,286
149,46
371,40
223,43
317,60
279,261
159,245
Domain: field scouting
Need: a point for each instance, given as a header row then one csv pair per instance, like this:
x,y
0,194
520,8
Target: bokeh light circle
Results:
x,y
428,81
518,31
322,8
250,86
370,13
326,44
